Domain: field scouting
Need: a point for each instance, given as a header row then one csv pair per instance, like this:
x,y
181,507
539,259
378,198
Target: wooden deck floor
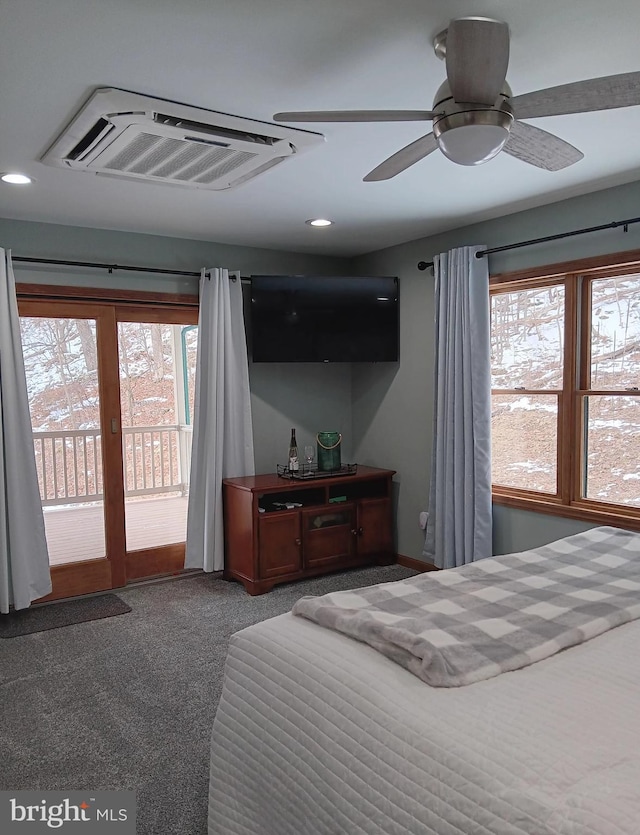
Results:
x,y
77,533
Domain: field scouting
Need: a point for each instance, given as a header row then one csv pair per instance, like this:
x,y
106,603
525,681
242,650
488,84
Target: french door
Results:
x,y
111,398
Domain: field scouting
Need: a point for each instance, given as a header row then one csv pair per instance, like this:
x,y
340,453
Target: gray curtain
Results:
x,y
459,525
222,427
24,559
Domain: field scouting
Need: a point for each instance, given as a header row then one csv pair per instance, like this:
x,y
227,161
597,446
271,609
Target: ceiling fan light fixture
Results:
x,y
472,144
474,137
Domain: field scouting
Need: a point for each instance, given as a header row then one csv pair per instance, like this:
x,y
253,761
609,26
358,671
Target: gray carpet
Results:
x,y
128,702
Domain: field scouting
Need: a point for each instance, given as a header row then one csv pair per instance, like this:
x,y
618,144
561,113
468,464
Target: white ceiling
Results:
x,y
253,58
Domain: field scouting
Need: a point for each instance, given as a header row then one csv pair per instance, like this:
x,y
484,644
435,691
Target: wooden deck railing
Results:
x,y
69,463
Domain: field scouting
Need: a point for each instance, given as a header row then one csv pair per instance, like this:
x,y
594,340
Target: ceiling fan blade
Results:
x,y
355,116
477,57
540,148
605,93
403,158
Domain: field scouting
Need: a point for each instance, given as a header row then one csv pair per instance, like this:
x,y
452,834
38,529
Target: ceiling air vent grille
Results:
x,y
234,160
141,145
204,129
173,159
133,136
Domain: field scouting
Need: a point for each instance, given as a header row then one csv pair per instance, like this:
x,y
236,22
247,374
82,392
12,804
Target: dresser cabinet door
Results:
x,y
328,535
374,526
279,549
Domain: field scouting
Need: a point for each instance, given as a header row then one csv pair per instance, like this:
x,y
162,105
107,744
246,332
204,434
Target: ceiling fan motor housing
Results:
x,y
469,133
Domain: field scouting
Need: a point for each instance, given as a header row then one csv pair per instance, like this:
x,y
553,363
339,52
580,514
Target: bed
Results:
x,y
319,734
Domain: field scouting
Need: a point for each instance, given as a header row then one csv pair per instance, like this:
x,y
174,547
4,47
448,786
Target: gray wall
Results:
x,y
48,240
517,530
392,409
311,397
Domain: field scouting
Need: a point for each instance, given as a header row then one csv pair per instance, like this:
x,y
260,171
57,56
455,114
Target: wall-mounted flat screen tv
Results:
x,y
324,318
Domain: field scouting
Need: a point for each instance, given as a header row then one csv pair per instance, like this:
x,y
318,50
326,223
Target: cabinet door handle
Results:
x,y
360,531
354,532
298,542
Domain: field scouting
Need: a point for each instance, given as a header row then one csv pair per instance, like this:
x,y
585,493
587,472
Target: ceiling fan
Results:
x,y
474,114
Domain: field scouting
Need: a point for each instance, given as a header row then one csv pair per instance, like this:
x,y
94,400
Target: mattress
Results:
x,y
318,734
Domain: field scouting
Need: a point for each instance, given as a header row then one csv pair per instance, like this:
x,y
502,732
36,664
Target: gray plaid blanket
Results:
x,y
463,625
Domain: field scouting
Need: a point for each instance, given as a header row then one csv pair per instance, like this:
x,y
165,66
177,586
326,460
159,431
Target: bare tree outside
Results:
x,y
88,343
62,385
613,421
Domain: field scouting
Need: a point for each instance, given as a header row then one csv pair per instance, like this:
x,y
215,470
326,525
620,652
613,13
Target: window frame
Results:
x,y
577,278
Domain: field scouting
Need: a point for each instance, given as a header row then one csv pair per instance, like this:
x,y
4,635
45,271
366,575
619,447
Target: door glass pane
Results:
x,y
524,435
328,519
61,368
156,365
189,334
527,338
613,449
615,332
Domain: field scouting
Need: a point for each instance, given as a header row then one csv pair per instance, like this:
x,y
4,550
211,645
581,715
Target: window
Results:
x,y
565,354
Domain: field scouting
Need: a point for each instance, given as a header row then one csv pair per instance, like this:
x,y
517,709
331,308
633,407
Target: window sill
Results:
x,y
588,512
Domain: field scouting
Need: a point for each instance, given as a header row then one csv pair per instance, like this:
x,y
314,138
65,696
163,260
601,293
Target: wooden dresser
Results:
x,y
336,522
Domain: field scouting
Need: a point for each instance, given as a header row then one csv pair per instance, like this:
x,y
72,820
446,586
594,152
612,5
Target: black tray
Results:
x,y
311,472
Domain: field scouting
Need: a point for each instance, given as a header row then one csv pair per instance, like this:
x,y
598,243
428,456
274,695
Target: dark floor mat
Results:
x,y
55,615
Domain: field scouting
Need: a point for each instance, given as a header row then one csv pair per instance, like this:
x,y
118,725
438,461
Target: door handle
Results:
x,y
114,426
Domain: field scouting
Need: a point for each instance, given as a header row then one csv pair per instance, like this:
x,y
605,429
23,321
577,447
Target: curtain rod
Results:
x,y
424,265
109,267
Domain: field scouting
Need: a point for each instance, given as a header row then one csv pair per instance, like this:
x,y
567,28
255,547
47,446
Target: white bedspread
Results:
x,y
317,734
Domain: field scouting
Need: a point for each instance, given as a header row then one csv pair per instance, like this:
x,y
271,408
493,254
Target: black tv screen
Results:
x,y
324,318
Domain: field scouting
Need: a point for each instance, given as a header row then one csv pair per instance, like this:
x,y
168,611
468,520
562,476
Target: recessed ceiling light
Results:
x,y
319,221
16,179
